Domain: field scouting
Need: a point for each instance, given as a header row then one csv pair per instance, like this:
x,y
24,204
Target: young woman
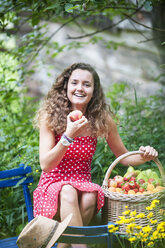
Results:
x,y
67,147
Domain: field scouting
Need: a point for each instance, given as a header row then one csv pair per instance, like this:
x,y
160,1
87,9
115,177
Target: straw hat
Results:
x,y
42,232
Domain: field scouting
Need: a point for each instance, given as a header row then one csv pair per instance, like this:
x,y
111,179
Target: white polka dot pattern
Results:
x,y
74,169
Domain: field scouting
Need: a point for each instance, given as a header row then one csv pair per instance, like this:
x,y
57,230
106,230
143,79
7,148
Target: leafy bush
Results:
x,y
140,121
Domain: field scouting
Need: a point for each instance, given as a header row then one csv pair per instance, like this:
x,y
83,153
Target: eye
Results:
x,y
74,82
87,84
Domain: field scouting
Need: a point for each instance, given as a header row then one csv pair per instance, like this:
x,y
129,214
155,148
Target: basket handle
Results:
x,y
117,160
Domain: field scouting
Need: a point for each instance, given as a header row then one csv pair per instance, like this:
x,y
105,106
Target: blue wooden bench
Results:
x,y
84,235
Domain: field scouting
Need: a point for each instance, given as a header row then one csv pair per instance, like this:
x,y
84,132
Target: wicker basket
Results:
x,y
115,202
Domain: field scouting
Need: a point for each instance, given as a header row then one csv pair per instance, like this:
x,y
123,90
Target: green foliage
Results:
x,y
140,122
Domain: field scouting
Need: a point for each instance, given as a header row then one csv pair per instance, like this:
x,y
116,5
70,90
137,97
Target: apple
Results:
x,y
76,115
141,181
119,179
119,185
151,180
132,184
112,183
141,190
126,187
133,179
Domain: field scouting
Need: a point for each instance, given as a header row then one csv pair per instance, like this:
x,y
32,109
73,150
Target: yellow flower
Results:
x,y
126,207
154,235
127,221
150,215
112,228
37,170
138,227
140,216
149,208
133,213
155,201
161,227
130,228
30,184
122,217
132,239
146,229
126,212
150,244
153,221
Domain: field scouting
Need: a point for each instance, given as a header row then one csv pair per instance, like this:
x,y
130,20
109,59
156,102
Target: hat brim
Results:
x,y
61,228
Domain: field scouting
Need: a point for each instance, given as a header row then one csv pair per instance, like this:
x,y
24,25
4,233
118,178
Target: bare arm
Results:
x,y
51,154
116,145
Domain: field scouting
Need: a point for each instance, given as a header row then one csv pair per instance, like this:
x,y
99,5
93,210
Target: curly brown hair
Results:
x,y
57,106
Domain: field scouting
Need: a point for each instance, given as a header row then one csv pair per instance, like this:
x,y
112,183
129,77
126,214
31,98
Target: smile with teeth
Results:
x,y
79,95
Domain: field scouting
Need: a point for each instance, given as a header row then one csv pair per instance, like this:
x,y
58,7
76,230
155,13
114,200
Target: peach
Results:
x,y
76,115
150,187
118,190
139,193
112,189
158,188
131,192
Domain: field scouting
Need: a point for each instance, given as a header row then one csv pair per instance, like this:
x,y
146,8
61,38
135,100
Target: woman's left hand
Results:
x,y
149,153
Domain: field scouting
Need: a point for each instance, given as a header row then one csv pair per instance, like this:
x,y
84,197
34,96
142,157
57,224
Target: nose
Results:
x,y
80,86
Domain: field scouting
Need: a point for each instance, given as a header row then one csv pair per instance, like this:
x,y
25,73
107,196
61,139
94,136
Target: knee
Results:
x,y
89,200
69,194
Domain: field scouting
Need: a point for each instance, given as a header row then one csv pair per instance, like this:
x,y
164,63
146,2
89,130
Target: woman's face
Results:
x,y
80,89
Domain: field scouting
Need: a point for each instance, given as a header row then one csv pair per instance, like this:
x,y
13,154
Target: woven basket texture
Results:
x,y
115,203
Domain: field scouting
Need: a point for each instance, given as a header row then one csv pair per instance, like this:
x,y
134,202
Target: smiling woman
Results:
x,y
67,146
80,89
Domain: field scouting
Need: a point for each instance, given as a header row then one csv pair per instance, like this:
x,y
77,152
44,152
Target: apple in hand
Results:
x,y
76,115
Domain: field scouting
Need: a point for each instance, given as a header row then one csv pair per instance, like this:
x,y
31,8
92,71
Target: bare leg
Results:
x,y
69,204
88,206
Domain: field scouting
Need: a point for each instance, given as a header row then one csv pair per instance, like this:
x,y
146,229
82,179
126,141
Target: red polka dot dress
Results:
x,y
74,169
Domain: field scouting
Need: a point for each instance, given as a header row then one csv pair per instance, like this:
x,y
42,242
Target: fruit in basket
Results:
x,y
75,115
131,172
131,191
150,187
142,175
157,189
112,183
119,179
141,190
141,181
112,189
126,187
151,180
136,182
118,190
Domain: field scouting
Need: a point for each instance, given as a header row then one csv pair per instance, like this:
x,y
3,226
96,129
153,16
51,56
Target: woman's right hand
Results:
x,y
75,128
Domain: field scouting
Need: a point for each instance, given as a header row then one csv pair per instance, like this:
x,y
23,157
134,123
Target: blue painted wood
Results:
x,y
8,243
22,178
11,243
22,170
87,235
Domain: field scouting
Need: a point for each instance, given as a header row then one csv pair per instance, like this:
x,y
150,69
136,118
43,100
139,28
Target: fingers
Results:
x,y
74,128
149,152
